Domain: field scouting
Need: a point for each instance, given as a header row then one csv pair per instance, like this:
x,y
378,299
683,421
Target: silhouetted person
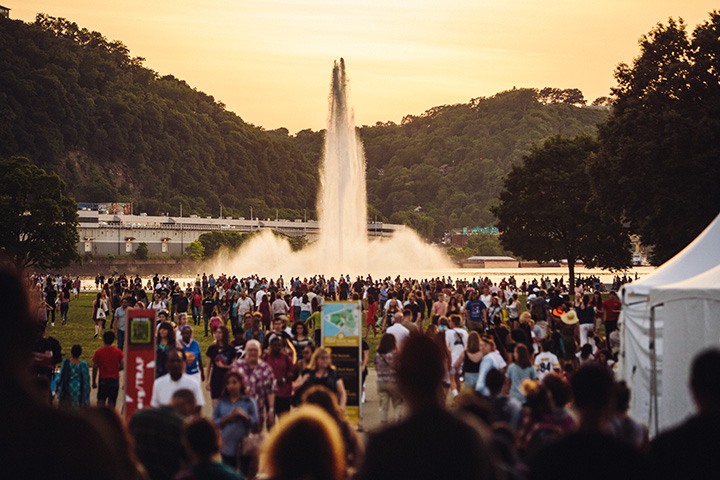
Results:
x,y
691,449
35,440
200,439
430,442
589,453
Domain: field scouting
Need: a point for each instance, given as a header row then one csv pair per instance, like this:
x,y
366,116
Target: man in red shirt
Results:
x,y
611,306
108,361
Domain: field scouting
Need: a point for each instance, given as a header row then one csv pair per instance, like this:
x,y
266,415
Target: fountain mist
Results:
x,y
342,246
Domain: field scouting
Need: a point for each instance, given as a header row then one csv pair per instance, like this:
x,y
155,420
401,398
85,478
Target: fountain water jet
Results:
x,y
342,246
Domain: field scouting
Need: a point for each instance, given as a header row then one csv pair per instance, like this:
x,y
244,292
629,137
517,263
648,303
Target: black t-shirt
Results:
x,y
50,297
182,304
208,305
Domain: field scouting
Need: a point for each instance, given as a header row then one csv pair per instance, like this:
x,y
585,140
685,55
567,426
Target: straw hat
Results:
x,y
569,318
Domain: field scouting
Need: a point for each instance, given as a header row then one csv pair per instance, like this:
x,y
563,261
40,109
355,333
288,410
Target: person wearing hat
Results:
x,y
570,333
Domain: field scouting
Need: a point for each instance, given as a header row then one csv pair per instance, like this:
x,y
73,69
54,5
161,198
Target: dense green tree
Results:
x,y
546,211
39,217
659,162
195,250
141,252
213,242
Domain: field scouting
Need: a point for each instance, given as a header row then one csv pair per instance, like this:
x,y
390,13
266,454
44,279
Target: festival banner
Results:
x,y
341,328
139,360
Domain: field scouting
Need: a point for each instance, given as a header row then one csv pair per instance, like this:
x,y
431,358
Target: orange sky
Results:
x,y
270,61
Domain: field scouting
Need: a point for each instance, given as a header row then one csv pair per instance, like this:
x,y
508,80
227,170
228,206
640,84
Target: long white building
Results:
x,y
120,234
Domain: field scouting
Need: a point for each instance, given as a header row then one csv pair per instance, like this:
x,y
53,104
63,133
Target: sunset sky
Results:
x,y
270,61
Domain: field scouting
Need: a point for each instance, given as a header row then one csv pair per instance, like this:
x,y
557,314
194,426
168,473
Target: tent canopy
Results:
x,y
700,255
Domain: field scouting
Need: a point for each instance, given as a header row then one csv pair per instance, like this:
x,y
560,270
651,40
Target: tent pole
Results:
x,y
653,416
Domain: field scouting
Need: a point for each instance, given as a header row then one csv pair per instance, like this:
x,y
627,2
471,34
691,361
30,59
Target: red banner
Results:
x,y
139,360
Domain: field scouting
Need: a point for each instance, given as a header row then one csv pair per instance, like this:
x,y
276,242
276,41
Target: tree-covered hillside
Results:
x,y
80,105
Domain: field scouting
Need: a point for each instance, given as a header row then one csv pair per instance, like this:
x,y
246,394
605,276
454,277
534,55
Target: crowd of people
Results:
x,y
470,384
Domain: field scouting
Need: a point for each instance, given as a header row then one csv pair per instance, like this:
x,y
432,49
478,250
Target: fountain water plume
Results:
x,y
342,246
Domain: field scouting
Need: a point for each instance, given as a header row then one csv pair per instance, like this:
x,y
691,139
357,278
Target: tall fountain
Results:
x,y
342,201
342,246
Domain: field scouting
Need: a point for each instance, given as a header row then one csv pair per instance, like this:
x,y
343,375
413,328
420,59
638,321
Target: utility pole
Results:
x,y
221,211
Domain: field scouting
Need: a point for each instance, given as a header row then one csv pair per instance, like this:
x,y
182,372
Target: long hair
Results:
x,y
317,353
291,449
225,340
522,355
232,374
388,343
473,342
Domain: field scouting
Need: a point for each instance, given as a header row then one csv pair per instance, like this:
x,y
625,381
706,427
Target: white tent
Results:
x,y
690,314
638,351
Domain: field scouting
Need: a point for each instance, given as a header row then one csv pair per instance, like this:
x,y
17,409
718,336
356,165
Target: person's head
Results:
x,y
108,337
222,336
320,359
704,380
300,329
322,397
184,402
522,356
558,388
387,344
307,352
291,449
487,344
495,380
592,387
186,333
174,363
622,397
233,384
455,321
398,317
201,440
253,349
407,315
182,318
279,323
431,330
125,302
76,350
420,370
537,398
276,344
166,332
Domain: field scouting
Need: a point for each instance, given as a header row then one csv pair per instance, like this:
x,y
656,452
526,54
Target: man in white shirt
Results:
x,y
456,338
165,386
244,304
260,294
546,361
486,296
280,307
398,330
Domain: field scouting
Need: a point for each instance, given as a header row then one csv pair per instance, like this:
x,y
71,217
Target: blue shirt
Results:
x,y
234,432
192,354
475,310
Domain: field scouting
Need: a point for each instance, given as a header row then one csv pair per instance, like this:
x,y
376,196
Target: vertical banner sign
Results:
x,y
139,360
342,334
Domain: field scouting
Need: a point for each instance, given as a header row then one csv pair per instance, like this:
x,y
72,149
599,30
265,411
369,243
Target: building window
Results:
x,y
128,247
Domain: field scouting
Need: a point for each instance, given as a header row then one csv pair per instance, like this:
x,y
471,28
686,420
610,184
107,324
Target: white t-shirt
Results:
x,y
164,388
456,340
486,299
259,295
244,305
545,363
399,332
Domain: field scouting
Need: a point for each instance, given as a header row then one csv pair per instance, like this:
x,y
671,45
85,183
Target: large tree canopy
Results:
x,y
659,161
546,210
39,218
